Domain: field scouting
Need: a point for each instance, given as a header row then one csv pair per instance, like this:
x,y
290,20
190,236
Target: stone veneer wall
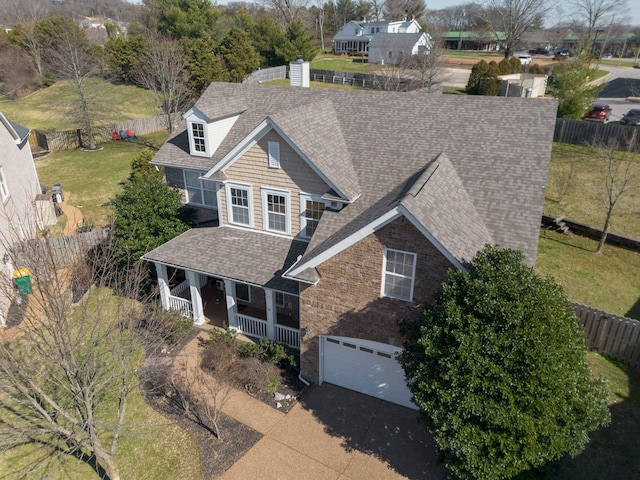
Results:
x,y
347,300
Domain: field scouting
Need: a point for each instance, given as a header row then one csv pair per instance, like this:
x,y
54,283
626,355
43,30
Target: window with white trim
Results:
x,y
4,190
311,209
199,192
198,138
399,274
280,302
239,204
274,154
275,210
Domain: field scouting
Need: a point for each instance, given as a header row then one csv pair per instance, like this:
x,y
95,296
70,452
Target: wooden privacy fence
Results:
x,y
69,139
571,226
579,132
59,251
610,335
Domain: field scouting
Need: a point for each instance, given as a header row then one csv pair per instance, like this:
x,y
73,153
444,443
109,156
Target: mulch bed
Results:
x,y
237,438
216,455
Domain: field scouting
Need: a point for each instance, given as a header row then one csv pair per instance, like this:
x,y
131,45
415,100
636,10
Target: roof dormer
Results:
x,y
205,134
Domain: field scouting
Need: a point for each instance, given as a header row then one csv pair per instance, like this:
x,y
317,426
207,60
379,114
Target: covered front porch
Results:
x,y
252,310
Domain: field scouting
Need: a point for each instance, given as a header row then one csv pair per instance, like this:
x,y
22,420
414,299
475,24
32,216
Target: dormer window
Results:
x,y
198,138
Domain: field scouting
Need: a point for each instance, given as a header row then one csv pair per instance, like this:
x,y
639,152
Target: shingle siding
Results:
x,y
294,176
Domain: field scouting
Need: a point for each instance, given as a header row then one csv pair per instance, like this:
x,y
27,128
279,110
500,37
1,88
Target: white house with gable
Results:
x,y
382,42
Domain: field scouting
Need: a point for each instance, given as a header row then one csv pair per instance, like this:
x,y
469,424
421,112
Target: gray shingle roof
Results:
x,y
332,158
496,159
235,254
395,40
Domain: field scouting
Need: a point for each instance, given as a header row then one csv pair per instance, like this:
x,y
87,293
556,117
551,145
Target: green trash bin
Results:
x,y
22,279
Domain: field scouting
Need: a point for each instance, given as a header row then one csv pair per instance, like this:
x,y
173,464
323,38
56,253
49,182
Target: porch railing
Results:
x,y
289,336
180,290
252,327
181,305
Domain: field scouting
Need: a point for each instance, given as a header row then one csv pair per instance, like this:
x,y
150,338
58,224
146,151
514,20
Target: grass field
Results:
x,y
584,199
50,109
609,281
91,179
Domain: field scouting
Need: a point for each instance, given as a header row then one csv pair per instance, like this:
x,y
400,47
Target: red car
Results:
x,y
599,112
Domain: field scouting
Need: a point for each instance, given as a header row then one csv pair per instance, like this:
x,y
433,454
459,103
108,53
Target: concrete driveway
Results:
x,y
334,433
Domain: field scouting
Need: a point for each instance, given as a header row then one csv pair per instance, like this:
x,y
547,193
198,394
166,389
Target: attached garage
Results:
x,y
364,366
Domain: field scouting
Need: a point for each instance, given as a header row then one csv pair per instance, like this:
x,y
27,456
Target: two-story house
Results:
x,y
340,213
19,187
382,42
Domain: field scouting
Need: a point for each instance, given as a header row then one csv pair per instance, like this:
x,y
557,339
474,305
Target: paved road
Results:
x,y
623,82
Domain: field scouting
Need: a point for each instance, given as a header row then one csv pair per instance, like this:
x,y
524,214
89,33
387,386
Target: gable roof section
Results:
x,y
17,131
442,209
221,107
326,148
434,200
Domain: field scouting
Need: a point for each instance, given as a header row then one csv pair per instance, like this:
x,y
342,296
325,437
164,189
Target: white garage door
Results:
x,y
366,367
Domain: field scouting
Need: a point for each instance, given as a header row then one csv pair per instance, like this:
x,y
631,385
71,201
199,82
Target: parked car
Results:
x,y
525,58
632,117
600,112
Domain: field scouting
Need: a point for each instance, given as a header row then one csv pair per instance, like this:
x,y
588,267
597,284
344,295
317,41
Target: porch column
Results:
x,y
163,284
270,302
196,297
232,306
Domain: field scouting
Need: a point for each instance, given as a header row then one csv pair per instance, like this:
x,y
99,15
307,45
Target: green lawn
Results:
x,y
340,63
609,281
151,447
583,200
50,109
91,179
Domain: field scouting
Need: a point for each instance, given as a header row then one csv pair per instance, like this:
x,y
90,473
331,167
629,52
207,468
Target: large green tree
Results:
x,y
298,42
497,367
148,213
569,83
238,54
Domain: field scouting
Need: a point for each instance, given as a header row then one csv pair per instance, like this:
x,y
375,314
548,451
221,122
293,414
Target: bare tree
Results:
x,y
513,18
200,395
620,175
70,358
72,57
427,68
285,11
593,18
163,71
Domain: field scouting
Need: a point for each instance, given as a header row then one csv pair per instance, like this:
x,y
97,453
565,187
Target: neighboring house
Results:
x,y
19,188
358,37
340,213
389,48
530,85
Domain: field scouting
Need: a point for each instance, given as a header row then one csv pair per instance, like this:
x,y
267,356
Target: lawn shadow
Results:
x,y
564,240
634,312
614,451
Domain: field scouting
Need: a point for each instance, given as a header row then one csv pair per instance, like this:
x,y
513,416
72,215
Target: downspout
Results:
x,y
303,380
